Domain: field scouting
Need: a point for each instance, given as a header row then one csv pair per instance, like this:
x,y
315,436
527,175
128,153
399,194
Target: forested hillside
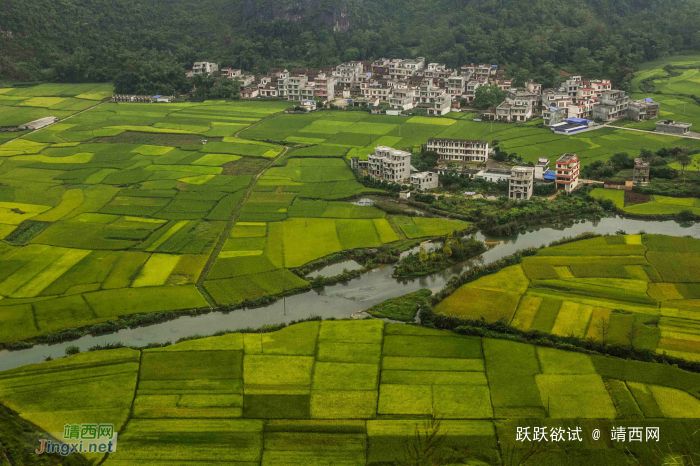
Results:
x,y
90,40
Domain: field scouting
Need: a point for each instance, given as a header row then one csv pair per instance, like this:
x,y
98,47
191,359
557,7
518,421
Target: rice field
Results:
x,y
671,92
657,205
24,104
132,200
639,290
347,392
357,134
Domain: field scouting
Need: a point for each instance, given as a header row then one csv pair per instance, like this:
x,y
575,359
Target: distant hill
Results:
x,y
90,40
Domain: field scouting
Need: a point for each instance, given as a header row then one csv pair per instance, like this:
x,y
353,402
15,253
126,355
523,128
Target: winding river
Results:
x,y
341,300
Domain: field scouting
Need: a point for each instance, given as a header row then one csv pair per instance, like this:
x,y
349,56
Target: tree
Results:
x,y
603,326
684,160
622,160
634,332
488,96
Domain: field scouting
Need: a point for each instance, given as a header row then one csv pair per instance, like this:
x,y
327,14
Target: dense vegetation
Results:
x,y
93,40
454,249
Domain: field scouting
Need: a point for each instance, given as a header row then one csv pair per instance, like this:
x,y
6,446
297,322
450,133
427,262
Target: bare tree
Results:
x,y
526,457
603,326
634,332
427,447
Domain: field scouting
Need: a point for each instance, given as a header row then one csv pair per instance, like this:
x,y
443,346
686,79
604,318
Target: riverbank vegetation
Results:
x,y
403,308
452,250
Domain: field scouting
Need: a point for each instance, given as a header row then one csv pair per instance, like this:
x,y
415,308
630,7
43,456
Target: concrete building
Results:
x,y
480,71
521,183
572,85
613,106
640,172
424,180
459,150
456,86
440,106
514,110
402,99
520,104
204,67
553,115
324,87
643,109
346,74
673,127
472,86
567,170
541,168
389,164
230,73
493,175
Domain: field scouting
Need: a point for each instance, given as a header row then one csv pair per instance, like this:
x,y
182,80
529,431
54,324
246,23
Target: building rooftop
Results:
x,y
481,141
422,175
679,124
566,158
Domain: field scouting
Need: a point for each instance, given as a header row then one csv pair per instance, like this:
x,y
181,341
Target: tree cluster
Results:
x,y
94,40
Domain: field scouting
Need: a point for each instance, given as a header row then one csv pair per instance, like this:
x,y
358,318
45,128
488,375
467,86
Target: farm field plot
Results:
x,y
129,201
347,392
657,205
122,201
671,92
640,290
332,133
25,104
292,218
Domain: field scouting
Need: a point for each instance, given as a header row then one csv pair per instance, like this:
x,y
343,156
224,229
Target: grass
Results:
x,y
403,308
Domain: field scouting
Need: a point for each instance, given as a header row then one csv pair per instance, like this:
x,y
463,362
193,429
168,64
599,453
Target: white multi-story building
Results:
x,y
459,150
472,86
541,167
324,87
613,106
204,67
521,183
456,86
403,69
402,99
389,164
424,180
572,85
230,73
347,74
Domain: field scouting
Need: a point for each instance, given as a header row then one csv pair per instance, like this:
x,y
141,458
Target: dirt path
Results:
x,y
650,132
55,122
232,220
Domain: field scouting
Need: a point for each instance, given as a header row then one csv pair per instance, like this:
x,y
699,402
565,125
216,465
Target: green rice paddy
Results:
x,y
657,205
357,134
672,92
131,200
351,393
639,290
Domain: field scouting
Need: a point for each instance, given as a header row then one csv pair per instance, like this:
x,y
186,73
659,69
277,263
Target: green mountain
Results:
x,y
91,40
